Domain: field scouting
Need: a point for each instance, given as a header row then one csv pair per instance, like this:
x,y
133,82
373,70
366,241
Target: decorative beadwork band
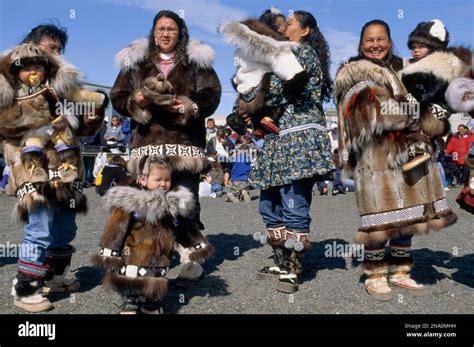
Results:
x,y
401,215
174,150
142,271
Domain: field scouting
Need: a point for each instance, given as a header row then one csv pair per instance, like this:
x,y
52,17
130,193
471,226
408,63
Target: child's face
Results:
x,y
159,178
419,51
32,75
281,24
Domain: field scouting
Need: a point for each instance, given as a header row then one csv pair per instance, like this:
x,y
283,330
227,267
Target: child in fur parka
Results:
x,y
35,103
138,239
426,78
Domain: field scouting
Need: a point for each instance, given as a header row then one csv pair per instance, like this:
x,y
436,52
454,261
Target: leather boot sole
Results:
x,y
287,288
42,306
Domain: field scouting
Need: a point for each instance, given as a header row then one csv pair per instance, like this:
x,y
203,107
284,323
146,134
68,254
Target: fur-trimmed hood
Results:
x,y
151,205
129,57
254,38
64,79
445,66
351,73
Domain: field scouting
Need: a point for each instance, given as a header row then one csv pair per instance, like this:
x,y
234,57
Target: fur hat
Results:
x,y
27,54
432,34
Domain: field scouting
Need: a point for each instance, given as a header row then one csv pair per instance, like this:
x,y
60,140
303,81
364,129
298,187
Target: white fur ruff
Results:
x,y
151,205
455,93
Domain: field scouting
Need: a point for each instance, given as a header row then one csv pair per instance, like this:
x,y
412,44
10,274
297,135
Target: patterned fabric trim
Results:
x,y
374,255
356,88
438,111
78,186
174,150
54,174
297,128
142,271
33,270
27,188
400,252
392,216
107,252
402,215
441,205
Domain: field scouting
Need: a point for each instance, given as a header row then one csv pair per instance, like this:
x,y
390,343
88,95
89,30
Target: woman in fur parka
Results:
x,y
393,205
167,86
139,236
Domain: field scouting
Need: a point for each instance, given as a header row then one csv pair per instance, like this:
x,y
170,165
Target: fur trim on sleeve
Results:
x,y
140,115
6,92
455,93
180,202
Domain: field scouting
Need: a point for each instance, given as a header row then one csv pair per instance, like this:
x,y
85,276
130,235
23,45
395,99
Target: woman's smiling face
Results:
x,y
375,42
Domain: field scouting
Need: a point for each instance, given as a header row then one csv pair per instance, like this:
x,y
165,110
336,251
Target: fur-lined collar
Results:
x,y
365,70
444,65
129,57
251,37
64,80
151,205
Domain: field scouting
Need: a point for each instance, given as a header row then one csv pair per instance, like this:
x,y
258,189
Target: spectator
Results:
x,y
217,176
205,188
459,146
114,135
211,129
239,174
114,173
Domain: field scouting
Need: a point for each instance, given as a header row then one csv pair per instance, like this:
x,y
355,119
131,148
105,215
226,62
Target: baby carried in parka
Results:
x,y
261,52
427,77
33,85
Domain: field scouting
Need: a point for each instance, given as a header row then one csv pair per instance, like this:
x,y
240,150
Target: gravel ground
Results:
x,y
331,285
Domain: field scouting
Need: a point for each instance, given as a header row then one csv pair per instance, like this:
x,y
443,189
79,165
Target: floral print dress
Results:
x,y
303,147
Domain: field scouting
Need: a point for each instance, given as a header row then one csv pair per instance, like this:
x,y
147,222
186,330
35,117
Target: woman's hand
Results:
x,y
177,107
140,99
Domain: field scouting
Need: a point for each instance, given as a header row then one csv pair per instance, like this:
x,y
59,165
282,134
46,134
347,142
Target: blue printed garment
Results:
x,y
303,148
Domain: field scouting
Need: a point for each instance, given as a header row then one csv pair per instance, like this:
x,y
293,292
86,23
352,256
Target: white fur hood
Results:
x,y
151,205
252,43
199,53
